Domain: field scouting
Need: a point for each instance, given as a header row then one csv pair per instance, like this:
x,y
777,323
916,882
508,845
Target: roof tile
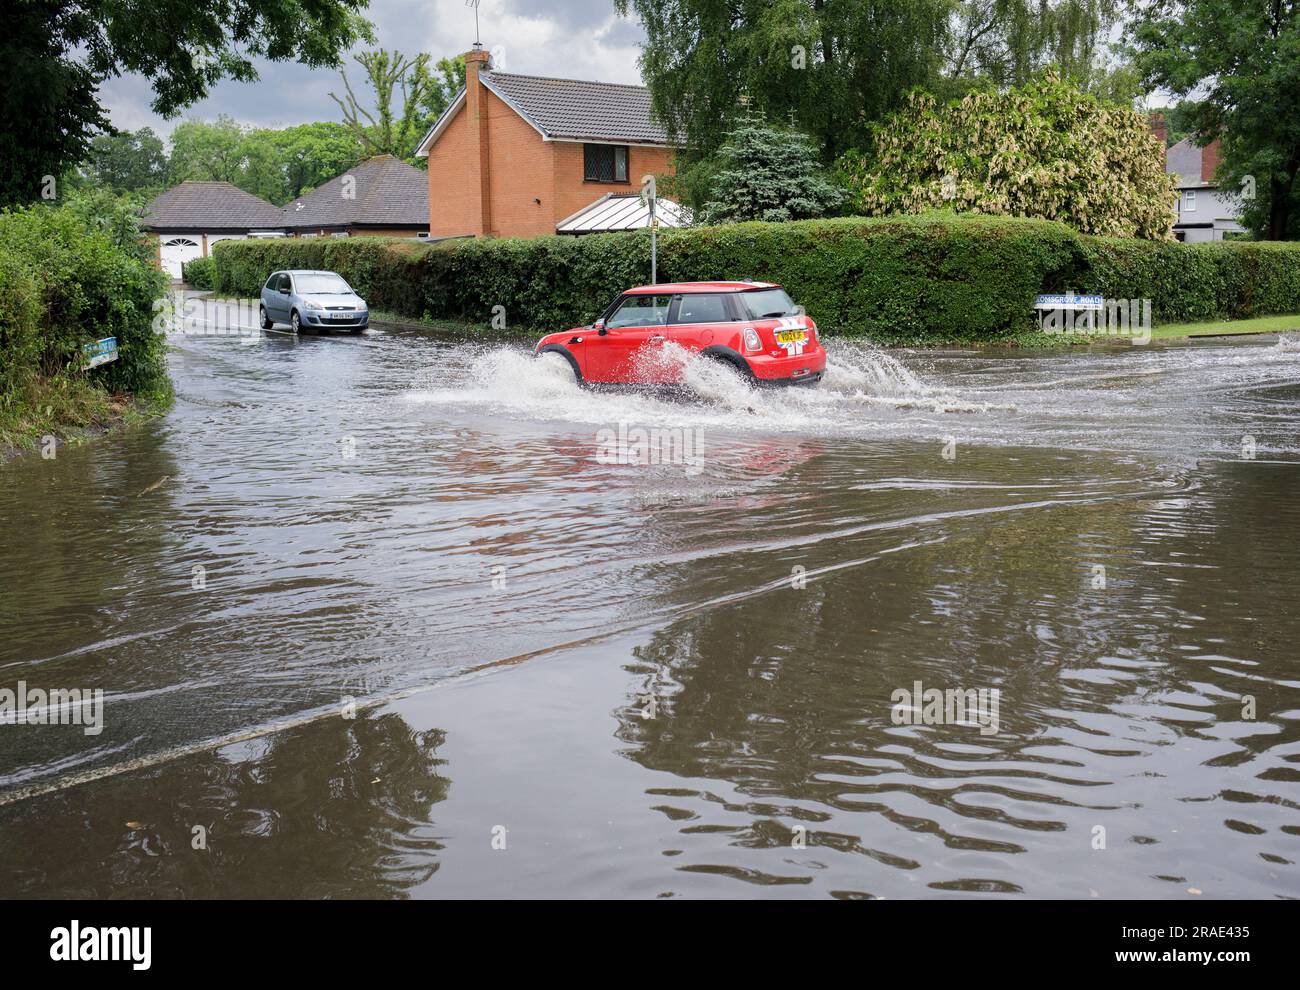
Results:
x,y
202,206
387,192
579,110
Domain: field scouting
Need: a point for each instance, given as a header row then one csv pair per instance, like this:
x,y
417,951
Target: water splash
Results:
x,y
1155,399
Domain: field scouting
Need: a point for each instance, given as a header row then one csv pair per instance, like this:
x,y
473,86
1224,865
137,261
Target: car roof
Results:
x,y
673,288
306,271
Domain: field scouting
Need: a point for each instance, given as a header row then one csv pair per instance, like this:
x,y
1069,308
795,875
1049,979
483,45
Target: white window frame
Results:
x,y
1189,201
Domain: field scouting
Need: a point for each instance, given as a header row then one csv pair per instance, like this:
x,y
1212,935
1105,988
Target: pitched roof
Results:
x,y
620,211
576,109
202,206
384,192
1184,160
568,109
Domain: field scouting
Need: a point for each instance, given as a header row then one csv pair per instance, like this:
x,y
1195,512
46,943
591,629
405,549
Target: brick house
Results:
x,y
381,197
516,155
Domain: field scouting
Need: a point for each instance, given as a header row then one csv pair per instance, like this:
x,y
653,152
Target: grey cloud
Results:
x,y
591,44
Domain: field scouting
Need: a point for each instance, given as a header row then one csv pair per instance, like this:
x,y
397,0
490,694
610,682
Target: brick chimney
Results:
x,y
1159,128
1209,160
477,60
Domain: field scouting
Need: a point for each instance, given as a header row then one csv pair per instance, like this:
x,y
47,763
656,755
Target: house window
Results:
x,y
1189,201
604,162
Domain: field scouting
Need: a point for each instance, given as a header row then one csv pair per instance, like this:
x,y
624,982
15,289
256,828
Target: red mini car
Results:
x,y
752,326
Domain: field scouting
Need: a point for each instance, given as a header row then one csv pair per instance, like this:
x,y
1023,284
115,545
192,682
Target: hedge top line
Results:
x,y
934,221
905,278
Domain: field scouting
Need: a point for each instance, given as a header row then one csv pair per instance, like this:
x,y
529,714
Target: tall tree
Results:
x,y
210,151
832,65
447,78
400,86
54,54
311,154
1006,42
1240,59
127,162
278,165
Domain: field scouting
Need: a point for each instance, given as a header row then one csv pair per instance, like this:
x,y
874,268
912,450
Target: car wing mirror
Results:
x,y
600,328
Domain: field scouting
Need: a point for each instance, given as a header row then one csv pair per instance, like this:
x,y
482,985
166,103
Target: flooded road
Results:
x,y
382,617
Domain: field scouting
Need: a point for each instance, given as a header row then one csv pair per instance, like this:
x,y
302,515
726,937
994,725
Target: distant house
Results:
x,y
381,197
188,219
1205,210
519,156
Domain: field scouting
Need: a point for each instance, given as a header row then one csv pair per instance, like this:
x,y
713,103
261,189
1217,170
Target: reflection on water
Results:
x,y
258,818
1109,538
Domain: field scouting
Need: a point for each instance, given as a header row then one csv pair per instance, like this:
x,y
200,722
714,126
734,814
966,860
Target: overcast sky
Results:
x,y
574,39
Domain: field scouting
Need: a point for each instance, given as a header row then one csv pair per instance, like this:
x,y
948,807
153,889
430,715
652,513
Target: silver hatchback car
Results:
x,y
313,301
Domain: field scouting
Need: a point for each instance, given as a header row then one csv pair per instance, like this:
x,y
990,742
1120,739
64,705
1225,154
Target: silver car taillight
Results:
x,y
752,343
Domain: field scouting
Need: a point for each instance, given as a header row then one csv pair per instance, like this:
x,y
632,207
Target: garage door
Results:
x,y
178,250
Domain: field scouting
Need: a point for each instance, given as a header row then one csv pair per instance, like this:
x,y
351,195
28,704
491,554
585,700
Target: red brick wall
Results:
x,y
522,171
572,193
453,181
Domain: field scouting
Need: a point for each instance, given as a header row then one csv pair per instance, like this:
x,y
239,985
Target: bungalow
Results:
x,y
381,197
188,219
523,156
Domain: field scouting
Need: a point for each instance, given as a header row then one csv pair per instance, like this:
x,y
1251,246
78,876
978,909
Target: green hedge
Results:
x,y
1192,282
66,284
199,273
896,279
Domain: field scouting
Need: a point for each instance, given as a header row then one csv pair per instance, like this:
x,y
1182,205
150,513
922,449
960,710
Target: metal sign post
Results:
x,y
649,196
654,245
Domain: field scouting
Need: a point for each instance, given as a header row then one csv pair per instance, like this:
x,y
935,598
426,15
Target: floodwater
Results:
x,y
390,616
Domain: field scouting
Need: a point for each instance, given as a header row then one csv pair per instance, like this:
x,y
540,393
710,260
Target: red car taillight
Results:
x,y
752,343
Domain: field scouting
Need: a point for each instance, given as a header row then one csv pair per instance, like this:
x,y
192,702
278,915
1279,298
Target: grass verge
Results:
x,y
1263,324
69,410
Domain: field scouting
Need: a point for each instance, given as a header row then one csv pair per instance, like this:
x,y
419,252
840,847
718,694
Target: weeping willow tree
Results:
x,y
1007,42
825,66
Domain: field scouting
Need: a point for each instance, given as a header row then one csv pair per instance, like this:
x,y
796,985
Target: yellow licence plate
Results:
x,y
791,336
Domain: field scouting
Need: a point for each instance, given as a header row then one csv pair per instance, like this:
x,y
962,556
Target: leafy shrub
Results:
x,y
1044,150
933,277
199,273
65,285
